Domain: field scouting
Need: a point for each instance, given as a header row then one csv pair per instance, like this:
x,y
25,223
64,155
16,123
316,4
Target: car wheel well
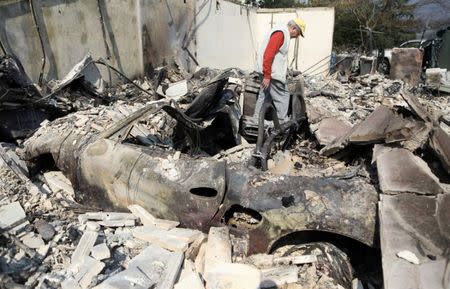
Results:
x,y
238,216
360,254
42,163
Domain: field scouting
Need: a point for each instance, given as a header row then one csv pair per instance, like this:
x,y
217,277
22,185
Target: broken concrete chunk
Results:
x,y
12,160
406,65
32,241
87,71
233,276
330,129
418,108
86,270
408,256
400,128
161,238
148,219
187,235
279,276
435,77
155,259
44,229
70,283
100,252
11,215
419,136
172,270
92,226
43,250
107,216
84,246
443,214
117,223
378,150
401,171
373,127
194,248
132,278
265,260
218,249
144,271
190,281
440,144
188,267
177,89
409,222
166,224
58,182
200,259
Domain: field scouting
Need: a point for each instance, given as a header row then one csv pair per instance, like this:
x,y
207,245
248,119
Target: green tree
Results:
x,y
370,24
361,24
273,3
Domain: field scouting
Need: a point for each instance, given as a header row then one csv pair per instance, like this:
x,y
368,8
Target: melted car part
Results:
x,y
240,217
16,124
207,101
332,261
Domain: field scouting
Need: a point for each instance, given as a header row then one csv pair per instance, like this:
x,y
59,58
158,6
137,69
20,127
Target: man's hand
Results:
x,y
265,83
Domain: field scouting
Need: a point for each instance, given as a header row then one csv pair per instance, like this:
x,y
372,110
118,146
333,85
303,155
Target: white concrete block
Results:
x,y
86,269
11,214
218,249
32,241
117,223
100,252
84,246
58,182
279,276
148,219
233,276
160,238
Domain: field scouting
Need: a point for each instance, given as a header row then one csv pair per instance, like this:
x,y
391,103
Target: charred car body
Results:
x,y
202,191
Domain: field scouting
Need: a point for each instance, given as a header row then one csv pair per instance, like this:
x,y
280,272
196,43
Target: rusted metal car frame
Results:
x,y
202,192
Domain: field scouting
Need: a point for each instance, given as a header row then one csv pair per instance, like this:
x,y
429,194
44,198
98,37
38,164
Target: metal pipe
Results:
x,y
108,51
266,106
2,47
304,71
122,75
33,14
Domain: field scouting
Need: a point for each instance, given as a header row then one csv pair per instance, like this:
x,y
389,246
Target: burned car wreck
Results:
x,y
198,190
349,179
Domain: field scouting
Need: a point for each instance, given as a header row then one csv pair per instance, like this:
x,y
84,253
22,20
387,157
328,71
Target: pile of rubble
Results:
x,y
62,246
149,167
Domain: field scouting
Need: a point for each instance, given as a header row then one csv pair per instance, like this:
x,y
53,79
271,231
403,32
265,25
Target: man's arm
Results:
x,y
275,42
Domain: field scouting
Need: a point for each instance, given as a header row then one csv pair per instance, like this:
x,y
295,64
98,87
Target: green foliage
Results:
x,y
279,3
361,24
367,24
273,3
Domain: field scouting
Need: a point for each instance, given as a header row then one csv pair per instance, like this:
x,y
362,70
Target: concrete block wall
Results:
x,y
19,36
138,35
226,35
230,35
318,41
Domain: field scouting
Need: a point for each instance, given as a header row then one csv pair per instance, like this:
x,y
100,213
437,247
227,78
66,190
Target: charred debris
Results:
x,y
169,182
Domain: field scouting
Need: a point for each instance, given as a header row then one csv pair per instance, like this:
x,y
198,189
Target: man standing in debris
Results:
x,y
272,65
